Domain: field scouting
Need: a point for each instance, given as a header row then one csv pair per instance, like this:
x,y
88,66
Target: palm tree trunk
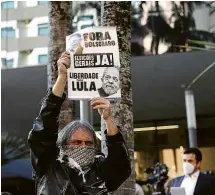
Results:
x,y
157,37
157,8
60,25
119,14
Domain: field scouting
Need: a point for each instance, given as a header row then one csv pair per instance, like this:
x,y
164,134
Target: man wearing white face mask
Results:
x,y
194,182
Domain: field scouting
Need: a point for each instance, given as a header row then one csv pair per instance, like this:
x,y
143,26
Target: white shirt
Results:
x,y
189,183
138,189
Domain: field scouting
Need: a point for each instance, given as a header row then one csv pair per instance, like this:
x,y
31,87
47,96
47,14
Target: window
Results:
x,y
86,26
85,17
42,2
42,59
43,29
7,4
8,32
7,63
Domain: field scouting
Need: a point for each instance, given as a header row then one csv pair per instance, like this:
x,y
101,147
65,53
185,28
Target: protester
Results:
x,y
66,162
110,82
194,182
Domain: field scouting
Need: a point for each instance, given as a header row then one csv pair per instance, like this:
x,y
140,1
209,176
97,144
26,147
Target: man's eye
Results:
x,y
77,142
115,79
89,143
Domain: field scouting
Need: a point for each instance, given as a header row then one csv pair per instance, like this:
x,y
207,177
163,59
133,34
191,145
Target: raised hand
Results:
x,y
103,106
63,63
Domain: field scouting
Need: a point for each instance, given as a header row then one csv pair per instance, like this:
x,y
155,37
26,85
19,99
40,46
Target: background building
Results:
x,y
155,28
24,33
24,30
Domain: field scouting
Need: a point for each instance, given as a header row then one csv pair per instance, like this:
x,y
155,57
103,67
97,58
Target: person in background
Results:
x,y
194,182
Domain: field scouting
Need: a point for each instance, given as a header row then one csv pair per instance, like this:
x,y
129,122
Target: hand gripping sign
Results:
x,y
95,63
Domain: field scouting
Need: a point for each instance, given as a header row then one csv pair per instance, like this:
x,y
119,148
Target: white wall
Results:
x,y
24,59
31,3
11,55
33,57
33,25
31,28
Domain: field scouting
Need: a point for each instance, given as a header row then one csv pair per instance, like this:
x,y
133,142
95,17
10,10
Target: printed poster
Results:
x,y
95,63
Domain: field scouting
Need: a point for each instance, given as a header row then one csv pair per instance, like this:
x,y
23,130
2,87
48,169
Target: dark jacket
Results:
x,y
205,184
53,177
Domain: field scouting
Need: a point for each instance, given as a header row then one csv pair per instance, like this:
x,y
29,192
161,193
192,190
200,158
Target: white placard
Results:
x,y
95,63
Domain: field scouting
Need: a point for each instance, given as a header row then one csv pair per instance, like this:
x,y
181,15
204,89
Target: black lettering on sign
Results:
x,y
83,86
89,75
95,60
97,36
100,43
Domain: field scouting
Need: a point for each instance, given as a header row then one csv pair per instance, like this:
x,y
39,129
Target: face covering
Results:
x,y
78,157
188,168
82,155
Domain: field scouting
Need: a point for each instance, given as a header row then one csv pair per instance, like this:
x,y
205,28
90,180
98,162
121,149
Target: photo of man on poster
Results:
x,y
110,82
74,44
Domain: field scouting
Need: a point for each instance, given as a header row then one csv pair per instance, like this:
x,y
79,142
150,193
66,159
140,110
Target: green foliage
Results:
x,y
12,148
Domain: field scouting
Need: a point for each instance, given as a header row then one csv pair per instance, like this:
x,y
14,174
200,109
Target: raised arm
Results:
x,y
42,138
116,168
63,65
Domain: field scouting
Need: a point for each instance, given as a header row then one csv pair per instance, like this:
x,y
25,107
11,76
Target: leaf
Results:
x,y
201,42
13,148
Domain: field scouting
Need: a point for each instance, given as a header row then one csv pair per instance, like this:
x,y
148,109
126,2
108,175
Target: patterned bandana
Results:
x,y
82,155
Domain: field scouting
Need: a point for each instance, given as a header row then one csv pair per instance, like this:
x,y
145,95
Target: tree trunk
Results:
x,y
119,14
60,25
